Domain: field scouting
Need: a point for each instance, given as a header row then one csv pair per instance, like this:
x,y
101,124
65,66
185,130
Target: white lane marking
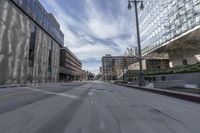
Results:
x,y
90,93
102,126
52,93
93,102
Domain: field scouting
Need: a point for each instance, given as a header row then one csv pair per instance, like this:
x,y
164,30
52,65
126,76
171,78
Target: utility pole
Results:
x,y
136,2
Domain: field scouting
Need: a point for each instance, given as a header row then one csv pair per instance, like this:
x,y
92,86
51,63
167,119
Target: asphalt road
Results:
x,y
94,107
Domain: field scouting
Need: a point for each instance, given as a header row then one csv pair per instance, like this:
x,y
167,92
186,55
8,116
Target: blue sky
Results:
x,y
94,28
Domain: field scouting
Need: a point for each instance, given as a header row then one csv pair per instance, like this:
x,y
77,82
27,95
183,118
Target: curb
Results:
x,y
35,84
22,85
180,95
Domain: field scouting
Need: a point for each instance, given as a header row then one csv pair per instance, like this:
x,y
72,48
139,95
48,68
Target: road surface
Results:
x,y
94,107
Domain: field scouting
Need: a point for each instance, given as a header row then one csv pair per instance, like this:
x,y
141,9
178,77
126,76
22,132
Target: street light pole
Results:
x,y
141,75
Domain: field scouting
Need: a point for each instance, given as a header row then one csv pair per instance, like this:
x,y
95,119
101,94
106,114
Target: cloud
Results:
x,y
93,28
95,51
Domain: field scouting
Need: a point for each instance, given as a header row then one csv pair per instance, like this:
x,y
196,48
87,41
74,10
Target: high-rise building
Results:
x,y
171,26
30,41
113,66
107,67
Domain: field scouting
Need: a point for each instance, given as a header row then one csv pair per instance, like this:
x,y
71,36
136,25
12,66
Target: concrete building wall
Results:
x,y
151,64
70,66
55,62
114,66
43,41
14,44
191,56
107,67
136,66
188,78
15,36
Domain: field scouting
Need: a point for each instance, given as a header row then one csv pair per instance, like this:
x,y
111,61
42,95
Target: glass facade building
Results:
x,y
163,20
37,12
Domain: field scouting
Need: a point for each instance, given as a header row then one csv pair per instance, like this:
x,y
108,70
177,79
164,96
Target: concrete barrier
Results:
x,y
180,95
188,78
169,84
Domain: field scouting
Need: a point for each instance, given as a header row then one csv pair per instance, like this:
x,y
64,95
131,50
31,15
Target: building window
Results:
x,y
50,52
32,46
50,60
163,78
24,4
185,62
32,5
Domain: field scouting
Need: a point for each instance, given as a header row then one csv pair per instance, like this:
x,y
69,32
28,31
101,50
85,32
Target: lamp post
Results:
x,y
136,2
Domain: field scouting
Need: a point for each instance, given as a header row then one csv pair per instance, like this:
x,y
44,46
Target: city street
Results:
x,y
94,107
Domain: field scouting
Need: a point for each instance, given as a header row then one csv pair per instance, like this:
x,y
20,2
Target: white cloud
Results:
x,y
103,26
102,29
99,25
65,21
96,51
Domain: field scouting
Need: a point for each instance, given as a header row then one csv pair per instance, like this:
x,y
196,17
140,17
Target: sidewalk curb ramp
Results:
x,y
180,95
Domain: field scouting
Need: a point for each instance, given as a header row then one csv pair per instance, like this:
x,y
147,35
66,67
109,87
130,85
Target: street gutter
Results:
x,y
23,85
180,95
34,84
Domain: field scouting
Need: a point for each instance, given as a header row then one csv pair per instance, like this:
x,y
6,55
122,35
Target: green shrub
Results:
x,y
177,69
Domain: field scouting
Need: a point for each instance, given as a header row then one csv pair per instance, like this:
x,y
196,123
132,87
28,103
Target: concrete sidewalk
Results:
x,y
181,95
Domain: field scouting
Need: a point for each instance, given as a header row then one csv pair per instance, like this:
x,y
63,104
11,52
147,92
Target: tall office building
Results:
x,y
113,66
171,26
30,41
107,67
